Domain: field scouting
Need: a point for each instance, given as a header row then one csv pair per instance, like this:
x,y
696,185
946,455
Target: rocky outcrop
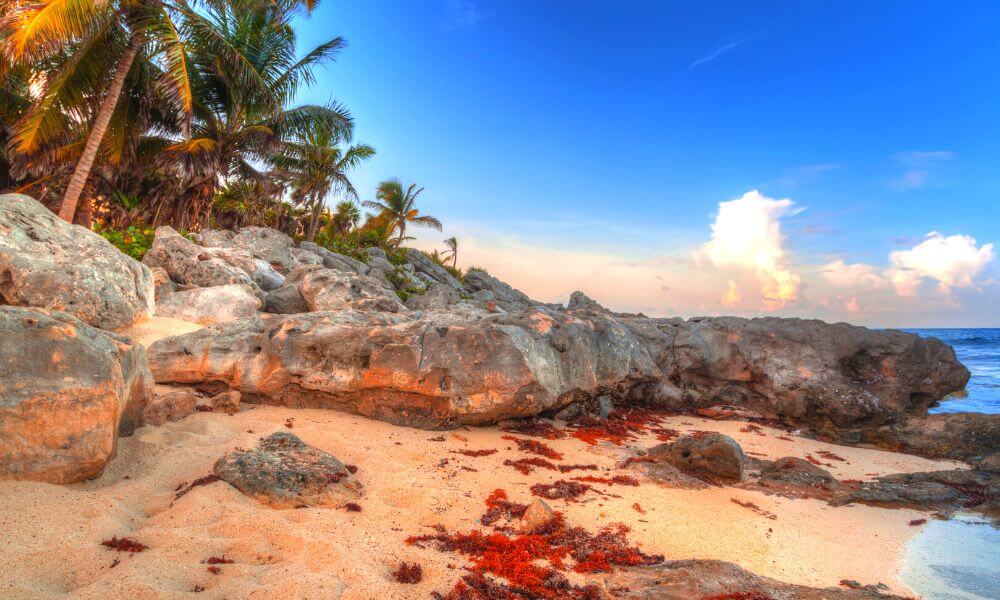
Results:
x,y
484,287
210,305
46,262
836,380
259,270
687,579
334,260
433,272
957,435
286,300
284,472
430,369
168,403
437,297
711,456
67,390
327,289
269,245
580,301
190,264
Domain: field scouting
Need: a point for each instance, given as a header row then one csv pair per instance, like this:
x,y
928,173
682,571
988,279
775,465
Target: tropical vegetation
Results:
x,y
125,115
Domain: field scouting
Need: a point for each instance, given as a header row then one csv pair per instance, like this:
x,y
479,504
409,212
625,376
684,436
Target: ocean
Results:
x,y
979,351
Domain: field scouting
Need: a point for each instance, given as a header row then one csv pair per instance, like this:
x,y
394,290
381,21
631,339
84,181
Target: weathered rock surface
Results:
x,y
327,289
334,260
580,301
168,403
504,295
956,435
796,471
437,370
835,380
437,297
924,495
435,272
286,300
688,579
210,305
259,270
188,263
67,390
712,456
269,245
284,472
46,262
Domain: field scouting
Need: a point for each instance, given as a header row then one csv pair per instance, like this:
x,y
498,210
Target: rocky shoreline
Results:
x,y
299,327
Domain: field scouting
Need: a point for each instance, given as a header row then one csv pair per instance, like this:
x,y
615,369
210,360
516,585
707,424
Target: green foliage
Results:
x,y
475,268
134,241
396,256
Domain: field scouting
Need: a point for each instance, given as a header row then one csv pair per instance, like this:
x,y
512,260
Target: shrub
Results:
x,y
134,241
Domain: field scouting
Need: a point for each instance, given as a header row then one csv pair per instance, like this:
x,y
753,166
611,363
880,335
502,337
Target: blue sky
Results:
x,y
591,145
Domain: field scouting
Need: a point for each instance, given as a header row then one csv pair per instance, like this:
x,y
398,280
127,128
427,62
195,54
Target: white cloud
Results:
x,y
856,275
714,54
747,234
732,296
919,166
953,261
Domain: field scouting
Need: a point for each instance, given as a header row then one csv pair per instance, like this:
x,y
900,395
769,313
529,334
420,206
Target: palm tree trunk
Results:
x,y
454,259
402,233
314,222
82,171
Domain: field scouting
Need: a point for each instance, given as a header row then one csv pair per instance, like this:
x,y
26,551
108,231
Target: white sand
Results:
x,y
50,535
149,330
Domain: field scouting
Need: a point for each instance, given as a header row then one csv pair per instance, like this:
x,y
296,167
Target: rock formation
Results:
x,y
48,263
67,391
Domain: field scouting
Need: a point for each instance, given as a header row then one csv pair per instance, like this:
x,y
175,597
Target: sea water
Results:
x,y
979,351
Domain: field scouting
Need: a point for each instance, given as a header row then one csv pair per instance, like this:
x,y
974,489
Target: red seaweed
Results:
x,y
534,447
125,545
916,522
475,453
408,573
498,506
616,480
207,479
527,465
352,507
561,489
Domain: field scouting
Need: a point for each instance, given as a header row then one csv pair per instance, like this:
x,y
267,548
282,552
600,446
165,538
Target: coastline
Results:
x,y
305,552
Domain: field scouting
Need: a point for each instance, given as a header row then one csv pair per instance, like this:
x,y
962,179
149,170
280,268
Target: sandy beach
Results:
x,y
412,483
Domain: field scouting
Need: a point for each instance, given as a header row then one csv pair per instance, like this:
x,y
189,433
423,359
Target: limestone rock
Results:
x,y
713,456
269,245
227,402
424,265
831,379
334,260
326,289
210,305
538,515
955,435
430,369
169,403
284,472
259,270
46,262
506,297
796,471
67,390
188,263
437,297
580,301
286,300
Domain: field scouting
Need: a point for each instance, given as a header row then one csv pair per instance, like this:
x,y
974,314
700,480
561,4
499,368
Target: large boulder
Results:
x,y
269,245
67,390
430,369
284,472
210,305
836,380
286,300
259,270
327,289
437,297
46,262
711,456
334,260
189,264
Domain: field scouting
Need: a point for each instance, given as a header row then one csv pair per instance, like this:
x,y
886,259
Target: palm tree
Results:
x,y
399,207
317,165
234,129
452,245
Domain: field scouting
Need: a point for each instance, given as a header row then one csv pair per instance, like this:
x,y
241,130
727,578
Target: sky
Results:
x,y
822,160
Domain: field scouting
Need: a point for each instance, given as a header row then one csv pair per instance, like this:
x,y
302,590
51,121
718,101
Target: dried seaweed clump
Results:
x,y
616,480
207,479
560,490
475,453
498,507
408,573
620,426
125,545
534,447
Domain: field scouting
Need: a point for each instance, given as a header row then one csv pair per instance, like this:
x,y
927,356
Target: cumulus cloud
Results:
x,y
856,275
953,261
747,234
731,297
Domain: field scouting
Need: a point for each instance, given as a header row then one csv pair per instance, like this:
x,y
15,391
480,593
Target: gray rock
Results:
x,y
162,283
605,406
305,258
284,472
286,300
505,296
437,297
953,435
210,305
796,471
580,301
188,263
712,456
67,390
259,270
334,260
45,262
261,242
425,266
327,289
923,495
